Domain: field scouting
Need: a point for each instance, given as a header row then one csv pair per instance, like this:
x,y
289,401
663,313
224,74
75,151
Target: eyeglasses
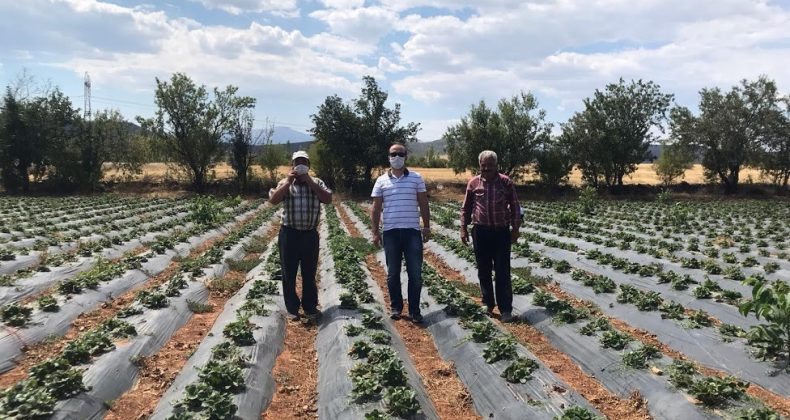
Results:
x,y
398,154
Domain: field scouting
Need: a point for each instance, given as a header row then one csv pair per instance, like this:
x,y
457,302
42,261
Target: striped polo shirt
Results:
x,y
399,198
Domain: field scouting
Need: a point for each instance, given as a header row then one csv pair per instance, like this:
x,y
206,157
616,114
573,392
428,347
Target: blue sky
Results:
x,y
435,58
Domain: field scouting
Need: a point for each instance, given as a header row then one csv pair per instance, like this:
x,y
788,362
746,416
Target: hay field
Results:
x,y
159,172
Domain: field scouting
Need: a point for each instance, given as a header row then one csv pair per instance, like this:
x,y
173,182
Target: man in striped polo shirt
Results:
x,y
491,205
301,196
402,196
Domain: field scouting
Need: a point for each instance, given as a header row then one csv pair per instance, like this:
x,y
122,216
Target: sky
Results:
x,y
435,58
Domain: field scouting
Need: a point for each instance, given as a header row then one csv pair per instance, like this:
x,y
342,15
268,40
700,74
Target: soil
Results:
x,y
448,394
296,370
561,364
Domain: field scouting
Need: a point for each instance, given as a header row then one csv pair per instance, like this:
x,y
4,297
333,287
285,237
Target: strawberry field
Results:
x,y
125,308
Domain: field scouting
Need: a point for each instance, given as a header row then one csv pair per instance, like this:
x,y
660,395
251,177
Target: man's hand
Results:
x,y
304,178
426,234
514,234
376,238
292,176
464,236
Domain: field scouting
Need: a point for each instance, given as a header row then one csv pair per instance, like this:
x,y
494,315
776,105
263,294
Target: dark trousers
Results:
x,y
492,250
299,248
400,243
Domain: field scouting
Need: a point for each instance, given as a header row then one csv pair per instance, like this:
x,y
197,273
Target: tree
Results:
x,y
379,127
272,156
515,131
613,133
55,127
673,162
13,136
553,163
730,128
192,126
241,146
774,154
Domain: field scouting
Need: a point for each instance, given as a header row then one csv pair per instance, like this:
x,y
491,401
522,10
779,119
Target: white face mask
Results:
x,y
301,169
397,162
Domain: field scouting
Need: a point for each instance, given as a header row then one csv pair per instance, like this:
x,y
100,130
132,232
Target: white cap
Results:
x,y
298,154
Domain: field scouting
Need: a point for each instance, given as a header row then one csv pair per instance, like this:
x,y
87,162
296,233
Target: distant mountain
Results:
x,y
284,134
419,149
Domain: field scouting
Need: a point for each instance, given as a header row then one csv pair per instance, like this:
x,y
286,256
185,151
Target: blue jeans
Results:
x,y
399,243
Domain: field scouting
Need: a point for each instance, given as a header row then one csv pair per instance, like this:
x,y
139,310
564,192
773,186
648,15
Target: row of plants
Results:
x,y
379,374
17,401
222,377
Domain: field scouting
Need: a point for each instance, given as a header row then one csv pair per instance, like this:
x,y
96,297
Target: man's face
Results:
x,y
397,150
301,161
488,168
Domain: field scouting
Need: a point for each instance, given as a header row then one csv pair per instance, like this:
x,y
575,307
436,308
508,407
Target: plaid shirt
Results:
x,y
492,204
301,207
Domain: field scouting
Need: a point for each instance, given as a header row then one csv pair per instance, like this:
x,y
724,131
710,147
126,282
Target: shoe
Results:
x,y
507,317
292,316
490,311
395,315
417,319
315,316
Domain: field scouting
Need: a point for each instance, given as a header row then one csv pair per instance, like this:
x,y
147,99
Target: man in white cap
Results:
x,y
301,196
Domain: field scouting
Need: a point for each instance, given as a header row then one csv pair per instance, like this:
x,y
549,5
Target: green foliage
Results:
x,y
240,331
222,376
638,358
611,136
673,162
482,331
713,391
15,314
770,302
205,210
615,339
681,373
401,401
500,348
577,413
597,324
152,299
516,130
520,370
191,126
360,349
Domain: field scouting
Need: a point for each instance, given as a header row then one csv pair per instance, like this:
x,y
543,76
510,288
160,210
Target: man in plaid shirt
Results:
x,y
301,196
492,207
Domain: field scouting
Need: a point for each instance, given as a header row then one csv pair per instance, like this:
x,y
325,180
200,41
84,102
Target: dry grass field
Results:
x,y
159,172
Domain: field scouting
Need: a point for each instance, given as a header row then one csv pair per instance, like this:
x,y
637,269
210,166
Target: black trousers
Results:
x,y
299,248
492,251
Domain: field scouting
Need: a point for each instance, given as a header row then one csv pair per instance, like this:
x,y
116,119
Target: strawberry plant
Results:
x,y
482,331
372,321
15,314
672,310
152,299
758,414
380,337
227,352
222,376
577,413
500,348
699,319
638,358
713,391
47,303
360,349
521,286
379,415
681,373
401,401
597,324
26,399
348,301
240,331
615,339
770,301
520,370
729,331
354,330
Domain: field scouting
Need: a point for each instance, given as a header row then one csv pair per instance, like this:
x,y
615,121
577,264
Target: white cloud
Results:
x,y
343,4
286,8
364,24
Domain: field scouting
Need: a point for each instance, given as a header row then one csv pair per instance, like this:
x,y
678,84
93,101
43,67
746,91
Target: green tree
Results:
x,y
272,156
515,131
242,142
379,127
337,131
613,133
774,154
729,129
673,162
191,125
553,163
57,126
13,138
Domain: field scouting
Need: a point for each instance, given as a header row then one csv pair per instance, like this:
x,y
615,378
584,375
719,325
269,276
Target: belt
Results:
x,y
298,230
493,228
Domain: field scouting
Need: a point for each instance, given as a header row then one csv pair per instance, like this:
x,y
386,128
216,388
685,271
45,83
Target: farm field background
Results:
x,y
157,172
122,307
